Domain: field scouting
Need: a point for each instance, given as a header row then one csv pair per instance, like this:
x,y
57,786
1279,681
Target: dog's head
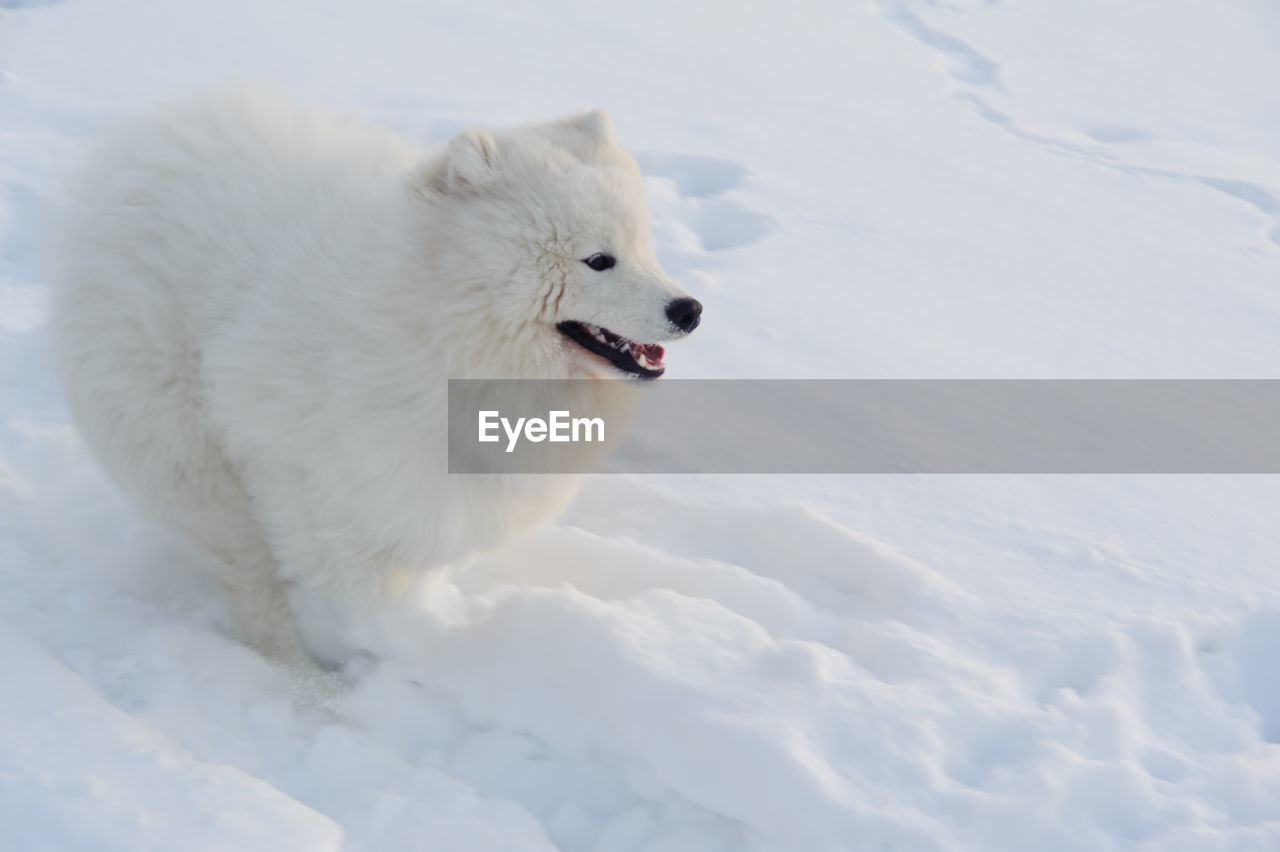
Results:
x,y
548,225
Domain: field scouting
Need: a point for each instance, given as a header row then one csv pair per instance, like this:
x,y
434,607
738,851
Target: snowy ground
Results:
x,y
902,188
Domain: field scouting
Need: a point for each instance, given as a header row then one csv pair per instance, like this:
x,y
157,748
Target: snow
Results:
x,y
125,787
897,189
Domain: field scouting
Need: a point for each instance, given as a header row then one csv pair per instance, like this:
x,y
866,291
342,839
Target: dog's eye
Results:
x,y
600,262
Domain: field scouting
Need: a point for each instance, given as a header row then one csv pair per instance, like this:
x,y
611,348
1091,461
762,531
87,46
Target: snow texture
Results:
x,y
892,189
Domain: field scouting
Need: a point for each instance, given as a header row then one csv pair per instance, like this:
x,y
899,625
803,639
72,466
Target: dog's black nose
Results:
x,y
685,313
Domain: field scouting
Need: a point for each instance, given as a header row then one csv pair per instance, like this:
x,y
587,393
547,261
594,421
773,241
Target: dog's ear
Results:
x,y
468,164
473,159
595,125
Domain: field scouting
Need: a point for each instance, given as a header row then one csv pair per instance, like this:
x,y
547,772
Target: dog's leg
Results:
x,y
258,607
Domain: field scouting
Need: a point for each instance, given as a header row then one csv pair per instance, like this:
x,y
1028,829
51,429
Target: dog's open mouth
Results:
x,y
643,360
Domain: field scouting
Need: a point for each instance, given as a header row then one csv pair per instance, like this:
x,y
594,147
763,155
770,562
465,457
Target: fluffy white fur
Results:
x,y
258,306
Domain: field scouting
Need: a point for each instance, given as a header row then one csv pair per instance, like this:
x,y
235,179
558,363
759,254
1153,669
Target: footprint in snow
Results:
x,y
719,223
694,176
722,224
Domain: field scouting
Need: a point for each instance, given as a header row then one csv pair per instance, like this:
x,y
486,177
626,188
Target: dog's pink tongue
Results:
x,y
652,351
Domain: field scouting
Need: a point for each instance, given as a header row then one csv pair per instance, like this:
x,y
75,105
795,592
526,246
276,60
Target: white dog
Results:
x,y
257,308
